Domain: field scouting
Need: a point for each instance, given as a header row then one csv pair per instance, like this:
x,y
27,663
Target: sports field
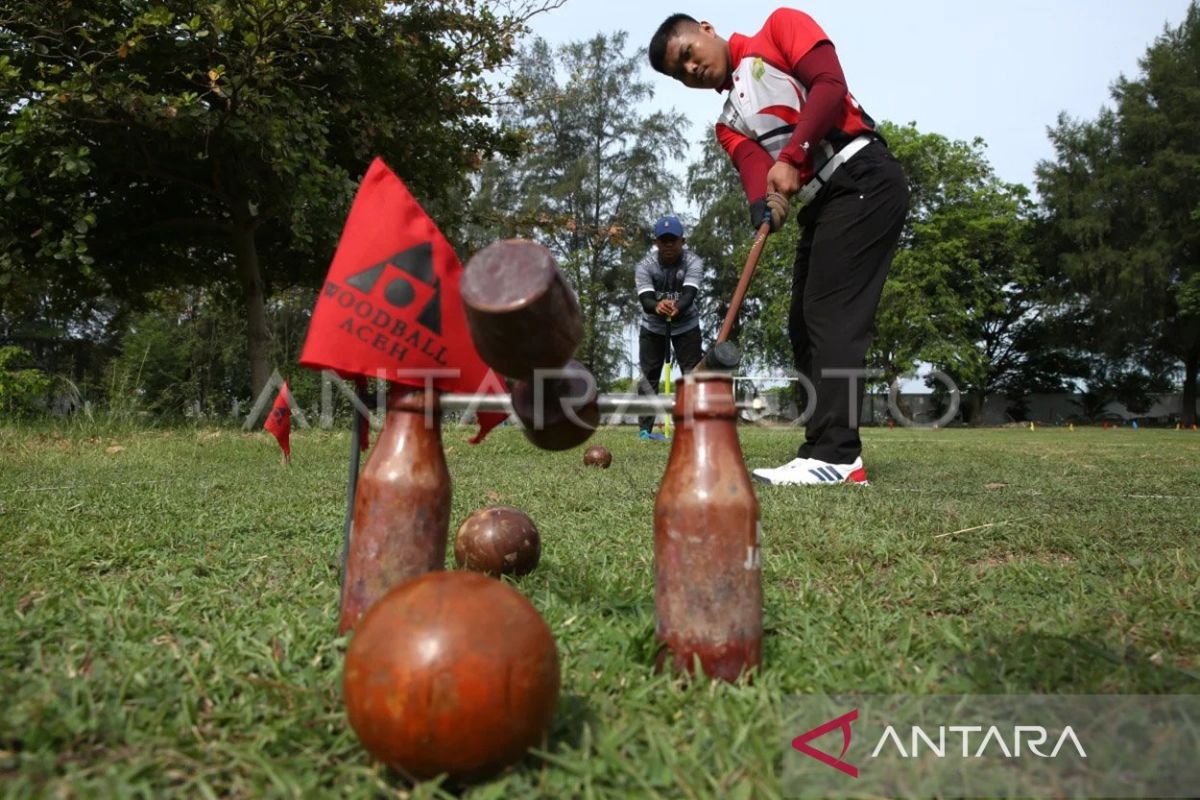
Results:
x,y
168,601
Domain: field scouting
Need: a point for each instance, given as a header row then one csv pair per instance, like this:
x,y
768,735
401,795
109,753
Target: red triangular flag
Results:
x,y
390,306
279,422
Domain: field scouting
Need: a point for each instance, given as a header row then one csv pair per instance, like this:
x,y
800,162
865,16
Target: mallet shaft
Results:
x,y
632,404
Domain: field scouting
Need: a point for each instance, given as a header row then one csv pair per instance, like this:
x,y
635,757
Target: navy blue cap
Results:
x,y
668,226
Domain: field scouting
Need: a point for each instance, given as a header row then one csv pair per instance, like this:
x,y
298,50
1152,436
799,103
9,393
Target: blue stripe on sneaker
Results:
x,y
818,475
831,473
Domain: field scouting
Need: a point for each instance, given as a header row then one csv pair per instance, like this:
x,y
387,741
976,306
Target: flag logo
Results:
x,y
415,263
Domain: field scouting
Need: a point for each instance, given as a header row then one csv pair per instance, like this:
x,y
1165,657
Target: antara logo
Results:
x,y
801,743
994,740
939,743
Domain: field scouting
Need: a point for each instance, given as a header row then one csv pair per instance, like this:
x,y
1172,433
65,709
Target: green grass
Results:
x,y
167,610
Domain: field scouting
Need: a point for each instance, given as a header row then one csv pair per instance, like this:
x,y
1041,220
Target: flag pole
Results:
x,y
352,482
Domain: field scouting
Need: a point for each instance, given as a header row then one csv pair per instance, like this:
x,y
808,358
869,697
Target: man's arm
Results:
x,y
753,163
685,300
649,304
812,60
692,276
821,71
645,289
644,286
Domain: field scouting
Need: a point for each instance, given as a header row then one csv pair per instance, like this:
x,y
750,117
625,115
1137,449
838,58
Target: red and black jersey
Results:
x,y
767,114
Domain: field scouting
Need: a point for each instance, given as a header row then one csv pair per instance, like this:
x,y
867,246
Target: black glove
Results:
x,y
774,207
758,210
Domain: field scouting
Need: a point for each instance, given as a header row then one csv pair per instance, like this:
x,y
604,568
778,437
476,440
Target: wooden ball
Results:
x,y
597,456
451,673
498,540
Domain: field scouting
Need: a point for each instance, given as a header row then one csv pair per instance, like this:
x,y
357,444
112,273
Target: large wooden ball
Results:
x,y
498,540
451,673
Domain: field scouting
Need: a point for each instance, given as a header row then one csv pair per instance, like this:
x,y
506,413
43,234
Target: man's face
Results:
x,y
669,248
697,57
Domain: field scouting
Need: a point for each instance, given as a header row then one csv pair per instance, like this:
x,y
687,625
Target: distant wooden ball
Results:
x,y
498,540
597,456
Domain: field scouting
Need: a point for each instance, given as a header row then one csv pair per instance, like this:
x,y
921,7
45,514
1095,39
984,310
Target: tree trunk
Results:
x,y
257,332
1190,363
972,407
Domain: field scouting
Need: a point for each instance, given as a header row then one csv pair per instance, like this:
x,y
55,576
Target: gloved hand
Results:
x,y
777,208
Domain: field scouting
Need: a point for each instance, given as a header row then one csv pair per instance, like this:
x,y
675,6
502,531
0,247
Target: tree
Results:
x,y
157,144
590,180
722,237
1122,194
966,292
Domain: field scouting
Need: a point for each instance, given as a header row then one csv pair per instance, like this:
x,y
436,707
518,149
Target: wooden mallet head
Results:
x,y
562,413
521,313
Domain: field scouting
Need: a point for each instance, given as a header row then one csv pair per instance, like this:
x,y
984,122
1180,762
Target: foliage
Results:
x,y
72,347
590,181
624,385
181,355
1121,193
722,237
1133,383
148,144
22,388
186,357
965,292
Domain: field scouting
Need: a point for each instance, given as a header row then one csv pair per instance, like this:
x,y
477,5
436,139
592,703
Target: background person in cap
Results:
x,y
795,132
667,280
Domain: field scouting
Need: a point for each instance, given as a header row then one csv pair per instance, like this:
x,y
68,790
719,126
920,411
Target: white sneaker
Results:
x,y
811,472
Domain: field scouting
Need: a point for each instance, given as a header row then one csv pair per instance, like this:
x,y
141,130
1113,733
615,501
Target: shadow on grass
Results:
x,y
573,716
1071,664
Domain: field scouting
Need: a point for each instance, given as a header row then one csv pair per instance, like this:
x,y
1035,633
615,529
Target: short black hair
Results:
x,y
658,42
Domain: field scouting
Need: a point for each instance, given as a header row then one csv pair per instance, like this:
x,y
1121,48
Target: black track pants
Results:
x,y
847,240
652,352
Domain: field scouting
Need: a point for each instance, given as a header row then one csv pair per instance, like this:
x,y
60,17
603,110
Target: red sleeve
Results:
x,y
821,71
794,33
750,159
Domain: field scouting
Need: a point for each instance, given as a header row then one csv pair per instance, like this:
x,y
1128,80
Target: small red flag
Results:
x,y
279,422
390,305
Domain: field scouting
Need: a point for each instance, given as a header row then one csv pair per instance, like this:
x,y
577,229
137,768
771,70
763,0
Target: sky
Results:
x,y
1002,71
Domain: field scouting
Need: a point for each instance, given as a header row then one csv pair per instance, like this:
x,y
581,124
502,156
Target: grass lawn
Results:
x,y
168,601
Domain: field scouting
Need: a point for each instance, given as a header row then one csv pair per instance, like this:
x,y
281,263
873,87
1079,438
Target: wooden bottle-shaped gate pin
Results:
x,y
707,539
401,504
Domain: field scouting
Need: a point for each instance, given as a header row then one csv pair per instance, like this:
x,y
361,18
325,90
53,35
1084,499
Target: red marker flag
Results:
x,y
390,306
279,422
